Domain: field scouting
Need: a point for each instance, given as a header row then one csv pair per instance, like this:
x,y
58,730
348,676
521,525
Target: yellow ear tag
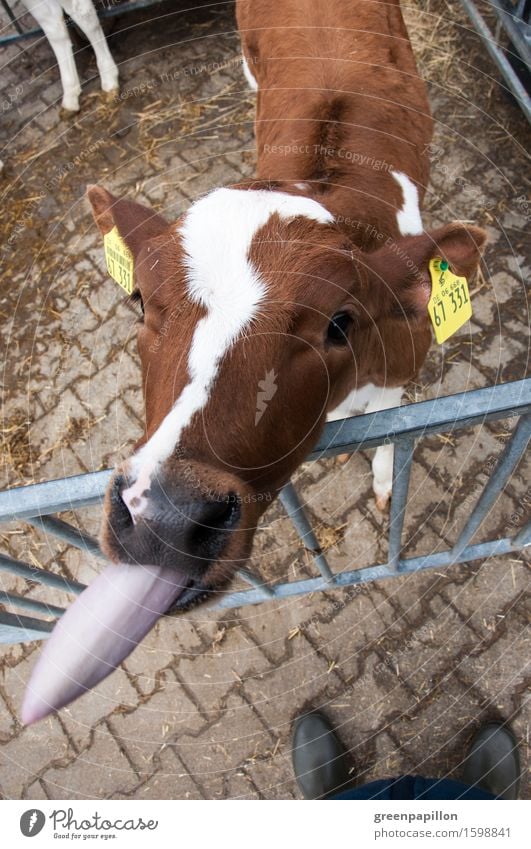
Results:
x,y
119,259
449,306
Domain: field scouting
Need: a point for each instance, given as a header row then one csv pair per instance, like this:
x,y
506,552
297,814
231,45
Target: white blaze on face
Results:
x,y
216,235
408,218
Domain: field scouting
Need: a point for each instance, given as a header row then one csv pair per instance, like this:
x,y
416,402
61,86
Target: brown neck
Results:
x,y
339,108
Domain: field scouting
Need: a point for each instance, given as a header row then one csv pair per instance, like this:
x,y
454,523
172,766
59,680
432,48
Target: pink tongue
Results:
x,y
97,632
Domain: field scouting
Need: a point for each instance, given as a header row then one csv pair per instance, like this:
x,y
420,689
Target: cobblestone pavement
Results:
x,y
406,669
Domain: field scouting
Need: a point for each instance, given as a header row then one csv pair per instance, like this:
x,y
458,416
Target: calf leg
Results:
x,y
49,16
84,15
371,399
382,463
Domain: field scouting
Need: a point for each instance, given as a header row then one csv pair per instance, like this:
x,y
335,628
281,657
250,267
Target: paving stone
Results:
x,y
425,655
330,496
274,625
228,664
488,592
499,670
373,702
46,742
276,693
108,438
436,735
7,721
99,772
110,697
172,639
98,391
35,791
163,717
50,433
274,776
169,781
224,748
461,377
381,758
239,786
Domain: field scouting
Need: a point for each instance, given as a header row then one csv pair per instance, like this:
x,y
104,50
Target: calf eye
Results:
x,y
338,329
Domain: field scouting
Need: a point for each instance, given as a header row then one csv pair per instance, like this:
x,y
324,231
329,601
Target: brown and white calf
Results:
x,y
316,272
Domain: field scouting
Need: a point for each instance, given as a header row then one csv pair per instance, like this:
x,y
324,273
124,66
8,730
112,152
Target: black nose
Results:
x,y
175,528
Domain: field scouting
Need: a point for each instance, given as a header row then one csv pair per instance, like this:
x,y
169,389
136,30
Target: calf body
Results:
x,y
267,305
342,112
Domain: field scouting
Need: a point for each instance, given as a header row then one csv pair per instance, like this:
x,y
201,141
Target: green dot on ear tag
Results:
x,y
444,265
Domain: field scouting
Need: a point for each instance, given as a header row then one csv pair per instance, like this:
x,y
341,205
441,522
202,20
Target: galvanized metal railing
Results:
x,y
403,426
105,9
512,18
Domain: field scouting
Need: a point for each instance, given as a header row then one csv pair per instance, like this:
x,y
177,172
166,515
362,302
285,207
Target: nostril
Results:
x,y
216,516
221,513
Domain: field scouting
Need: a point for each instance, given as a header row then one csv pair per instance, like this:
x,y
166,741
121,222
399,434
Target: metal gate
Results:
x,y
403,426
512,20
104,8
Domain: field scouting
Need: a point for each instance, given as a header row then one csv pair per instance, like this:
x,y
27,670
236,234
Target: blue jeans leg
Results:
x,y
415,787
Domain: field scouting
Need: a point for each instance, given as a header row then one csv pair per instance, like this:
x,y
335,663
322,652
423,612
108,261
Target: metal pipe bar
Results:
x,y
410,565
56,496
106,12
511,78
340,437
42,576
507,461
293,507
22,629
68,533
25,603
403,456
441,415
132,6
255,581
514,26
10,39
12,17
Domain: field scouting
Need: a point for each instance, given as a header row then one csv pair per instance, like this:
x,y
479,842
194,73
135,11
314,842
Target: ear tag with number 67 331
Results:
x,y
449,306
119,259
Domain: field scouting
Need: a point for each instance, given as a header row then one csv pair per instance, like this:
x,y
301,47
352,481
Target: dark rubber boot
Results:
x,y
493,762
319,760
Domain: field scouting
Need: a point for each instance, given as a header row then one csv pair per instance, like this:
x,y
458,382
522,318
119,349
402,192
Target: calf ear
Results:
x,y
461,245
135,223
403,265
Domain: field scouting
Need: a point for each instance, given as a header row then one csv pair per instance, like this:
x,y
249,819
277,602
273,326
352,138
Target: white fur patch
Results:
x,y
368,399
217,232
408,218
248,75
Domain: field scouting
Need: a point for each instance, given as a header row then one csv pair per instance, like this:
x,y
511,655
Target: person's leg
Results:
x,y
320,763
414,787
